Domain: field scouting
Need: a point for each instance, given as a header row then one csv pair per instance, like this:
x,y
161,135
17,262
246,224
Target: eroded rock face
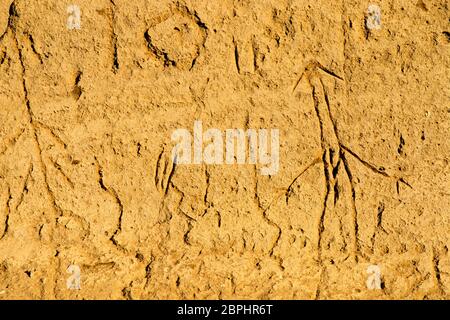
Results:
x,y
93,205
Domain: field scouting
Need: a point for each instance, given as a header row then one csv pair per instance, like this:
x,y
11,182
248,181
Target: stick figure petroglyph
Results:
x,y
17,43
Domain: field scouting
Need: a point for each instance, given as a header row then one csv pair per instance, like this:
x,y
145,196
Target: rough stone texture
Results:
x,y
86,176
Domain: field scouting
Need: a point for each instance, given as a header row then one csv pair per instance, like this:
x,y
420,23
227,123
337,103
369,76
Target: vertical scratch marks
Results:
x,y
113,193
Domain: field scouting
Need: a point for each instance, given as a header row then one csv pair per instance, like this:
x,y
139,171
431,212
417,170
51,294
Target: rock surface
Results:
x,y
87,177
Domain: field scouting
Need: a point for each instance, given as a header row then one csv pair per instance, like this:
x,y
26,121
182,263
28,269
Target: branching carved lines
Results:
x,y
164,172
379,227
334,153
10,142
12,16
